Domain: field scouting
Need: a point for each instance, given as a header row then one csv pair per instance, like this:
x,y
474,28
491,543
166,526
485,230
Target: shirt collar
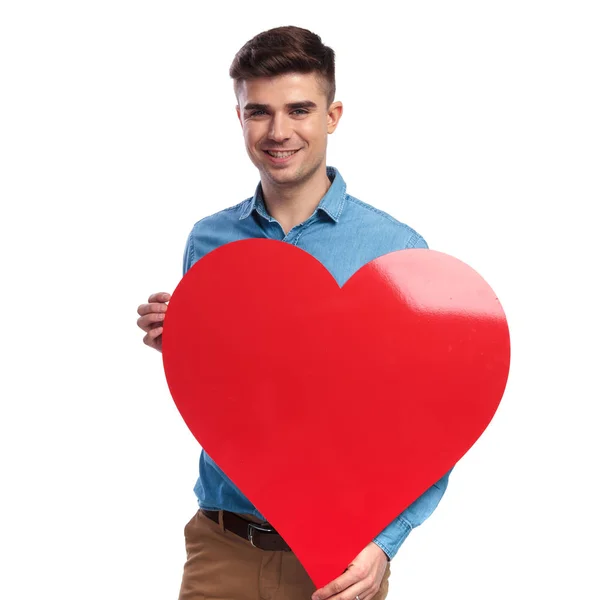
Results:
x,y
332,202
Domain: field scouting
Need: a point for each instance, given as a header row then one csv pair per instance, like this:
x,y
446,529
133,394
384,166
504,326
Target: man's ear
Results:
x,y
333,116
239,115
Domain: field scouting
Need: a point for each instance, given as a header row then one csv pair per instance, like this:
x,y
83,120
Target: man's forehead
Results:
x,y
286,88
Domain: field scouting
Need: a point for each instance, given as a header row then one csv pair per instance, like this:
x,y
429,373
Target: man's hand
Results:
x,y
151,319
362,578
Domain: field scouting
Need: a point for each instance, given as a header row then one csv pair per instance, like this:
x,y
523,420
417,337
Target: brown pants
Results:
x,y
222,566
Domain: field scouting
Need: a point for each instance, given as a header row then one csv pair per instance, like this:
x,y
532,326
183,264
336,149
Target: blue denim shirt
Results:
x,y
344,234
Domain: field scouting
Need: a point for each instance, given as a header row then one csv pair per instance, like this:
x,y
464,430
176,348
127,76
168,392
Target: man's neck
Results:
x,y
292,205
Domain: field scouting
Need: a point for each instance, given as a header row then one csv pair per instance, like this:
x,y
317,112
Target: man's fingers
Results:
x,y
144,309
152,316
159,297
337,586
156,303
147,321
154,333
360,590
150,339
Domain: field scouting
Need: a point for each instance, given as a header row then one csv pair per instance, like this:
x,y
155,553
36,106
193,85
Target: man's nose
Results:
x,y
280,128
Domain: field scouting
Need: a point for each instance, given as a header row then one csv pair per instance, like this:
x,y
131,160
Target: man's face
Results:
x,y
288,114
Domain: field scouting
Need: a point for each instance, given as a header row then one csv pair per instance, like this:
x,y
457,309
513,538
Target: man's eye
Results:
x,y
260,112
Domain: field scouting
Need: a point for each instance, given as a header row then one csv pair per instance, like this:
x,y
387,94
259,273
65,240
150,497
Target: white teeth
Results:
x,y
281,154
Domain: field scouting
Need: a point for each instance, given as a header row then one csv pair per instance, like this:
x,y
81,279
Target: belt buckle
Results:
x,y
254,526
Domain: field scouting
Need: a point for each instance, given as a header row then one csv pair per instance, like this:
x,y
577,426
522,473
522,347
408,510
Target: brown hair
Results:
x,y
285,50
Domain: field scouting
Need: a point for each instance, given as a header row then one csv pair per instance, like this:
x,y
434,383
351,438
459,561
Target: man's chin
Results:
x,y
281,176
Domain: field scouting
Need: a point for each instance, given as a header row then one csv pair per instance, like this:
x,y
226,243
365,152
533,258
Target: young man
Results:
x,y
284,83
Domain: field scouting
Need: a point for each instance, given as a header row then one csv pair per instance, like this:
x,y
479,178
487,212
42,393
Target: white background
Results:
x,y
476,123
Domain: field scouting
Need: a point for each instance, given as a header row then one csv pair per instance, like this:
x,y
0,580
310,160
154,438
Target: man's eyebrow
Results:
x,y
291,105
303,104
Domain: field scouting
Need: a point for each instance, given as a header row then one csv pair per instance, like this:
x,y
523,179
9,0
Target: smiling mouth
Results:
x,y
285,154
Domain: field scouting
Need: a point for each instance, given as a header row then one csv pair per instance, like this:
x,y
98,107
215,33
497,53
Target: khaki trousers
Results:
x,y
222,566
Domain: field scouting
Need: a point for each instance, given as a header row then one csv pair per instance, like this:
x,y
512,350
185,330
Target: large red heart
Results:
x,y
333,408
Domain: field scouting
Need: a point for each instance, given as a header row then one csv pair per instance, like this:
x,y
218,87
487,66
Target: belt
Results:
x,y
260,535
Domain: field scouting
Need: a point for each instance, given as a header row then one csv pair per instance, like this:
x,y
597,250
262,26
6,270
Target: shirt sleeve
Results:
x,y
416,241
392,537
188,254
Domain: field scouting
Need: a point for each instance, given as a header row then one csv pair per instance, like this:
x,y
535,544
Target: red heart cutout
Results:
x,y
332,408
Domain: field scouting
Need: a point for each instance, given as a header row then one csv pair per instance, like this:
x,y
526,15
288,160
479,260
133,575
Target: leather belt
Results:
x,y
260,535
